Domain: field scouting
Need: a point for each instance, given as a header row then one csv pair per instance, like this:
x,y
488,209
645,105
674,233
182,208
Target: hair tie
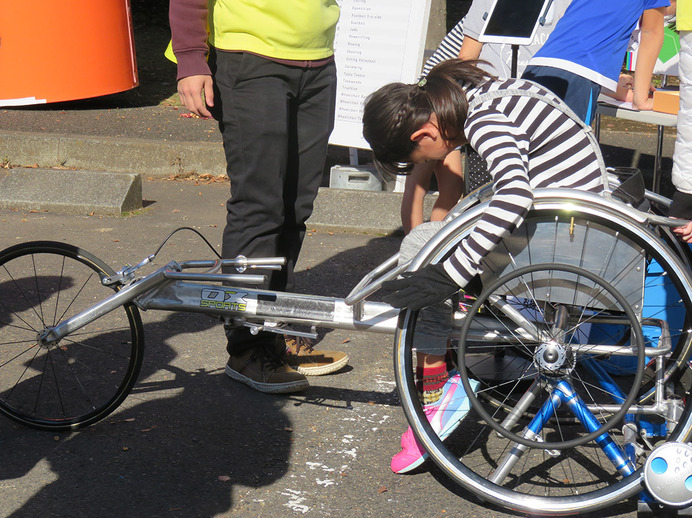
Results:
x,y
422,82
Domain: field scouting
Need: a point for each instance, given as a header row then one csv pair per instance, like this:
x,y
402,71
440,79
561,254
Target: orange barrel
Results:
x,y
62,50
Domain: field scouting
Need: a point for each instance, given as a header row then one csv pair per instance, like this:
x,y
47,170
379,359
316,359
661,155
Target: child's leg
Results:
x,y
431,376
445,402
434,325
431,372
415,189
450,184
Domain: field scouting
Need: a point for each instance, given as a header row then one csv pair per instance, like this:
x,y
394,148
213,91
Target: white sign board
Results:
x,y
377,42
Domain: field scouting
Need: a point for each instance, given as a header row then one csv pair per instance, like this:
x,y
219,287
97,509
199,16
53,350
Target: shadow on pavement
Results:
x,y
184,440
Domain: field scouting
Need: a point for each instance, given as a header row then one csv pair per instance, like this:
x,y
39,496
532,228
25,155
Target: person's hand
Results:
x,y
643,104
196,93
624,88
425,287
684,232
625,92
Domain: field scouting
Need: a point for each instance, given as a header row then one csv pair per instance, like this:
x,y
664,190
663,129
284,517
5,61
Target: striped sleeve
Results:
x,y
504,147
527,144
447,49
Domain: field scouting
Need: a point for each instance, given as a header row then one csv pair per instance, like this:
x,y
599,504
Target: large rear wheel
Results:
x,y
575,457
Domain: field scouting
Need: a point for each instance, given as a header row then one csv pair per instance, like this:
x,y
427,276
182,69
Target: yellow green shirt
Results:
x,y
298,30
683,16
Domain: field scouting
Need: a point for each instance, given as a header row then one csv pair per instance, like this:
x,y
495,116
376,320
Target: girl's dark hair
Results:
x,y
397,110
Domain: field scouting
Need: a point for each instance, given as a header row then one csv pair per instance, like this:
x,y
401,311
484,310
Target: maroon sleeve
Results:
x,y
188,19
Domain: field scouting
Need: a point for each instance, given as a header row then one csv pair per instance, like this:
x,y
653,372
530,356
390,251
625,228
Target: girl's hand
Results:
x,y
428,286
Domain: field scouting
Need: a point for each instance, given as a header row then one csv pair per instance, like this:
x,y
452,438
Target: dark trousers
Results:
x,y
275,121
579,93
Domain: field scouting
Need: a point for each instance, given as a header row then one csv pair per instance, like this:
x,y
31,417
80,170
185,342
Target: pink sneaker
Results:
x,y
444,416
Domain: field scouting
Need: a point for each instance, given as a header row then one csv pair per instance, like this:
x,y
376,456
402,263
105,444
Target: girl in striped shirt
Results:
x,y
528,138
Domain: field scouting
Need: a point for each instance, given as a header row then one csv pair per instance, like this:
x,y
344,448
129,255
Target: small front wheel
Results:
x,y
84,376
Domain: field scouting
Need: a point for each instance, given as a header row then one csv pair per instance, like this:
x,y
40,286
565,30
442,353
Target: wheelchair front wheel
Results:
x,y
86,375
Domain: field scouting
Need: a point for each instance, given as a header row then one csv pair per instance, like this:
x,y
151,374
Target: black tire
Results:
x,y
84,376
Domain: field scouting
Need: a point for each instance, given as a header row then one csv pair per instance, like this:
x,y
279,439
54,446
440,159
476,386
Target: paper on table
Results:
x,y
614,102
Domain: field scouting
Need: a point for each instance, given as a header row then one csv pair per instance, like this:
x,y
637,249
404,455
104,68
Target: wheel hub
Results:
x,y
46,337
551,356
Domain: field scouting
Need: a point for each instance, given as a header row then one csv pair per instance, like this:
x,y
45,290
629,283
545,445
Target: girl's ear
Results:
x,y
426,130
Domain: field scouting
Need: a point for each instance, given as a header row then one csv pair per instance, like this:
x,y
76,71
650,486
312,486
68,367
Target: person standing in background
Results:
x,y
265,71
499,55
586,51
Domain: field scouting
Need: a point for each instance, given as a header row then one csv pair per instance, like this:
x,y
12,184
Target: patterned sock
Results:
x,y
430,382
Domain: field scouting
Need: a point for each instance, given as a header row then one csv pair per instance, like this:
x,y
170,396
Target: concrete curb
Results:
x,y
335,209
157,158
347,210
73,192
366,212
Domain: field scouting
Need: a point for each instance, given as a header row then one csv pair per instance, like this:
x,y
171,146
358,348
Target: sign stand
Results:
x,y
353,155
514,23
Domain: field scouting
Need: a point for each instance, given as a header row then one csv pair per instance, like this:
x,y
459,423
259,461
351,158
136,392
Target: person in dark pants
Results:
x,y
270,82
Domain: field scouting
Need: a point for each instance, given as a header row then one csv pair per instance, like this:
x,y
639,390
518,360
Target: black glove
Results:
x,y
429,285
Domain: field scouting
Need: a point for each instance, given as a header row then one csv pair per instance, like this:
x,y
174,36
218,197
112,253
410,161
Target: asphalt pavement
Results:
x,y
191,442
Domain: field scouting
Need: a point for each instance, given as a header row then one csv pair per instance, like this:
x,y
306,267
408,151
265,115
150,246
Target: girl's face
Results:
x,y
430,144
431,149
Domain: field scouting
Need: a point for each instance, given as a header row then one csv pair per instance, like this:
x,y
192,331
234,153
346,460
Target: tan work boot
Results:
x,y
302,357
262,372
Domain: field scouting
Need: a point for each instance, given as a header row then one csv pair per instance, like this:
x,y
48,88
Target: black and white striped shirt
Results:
x,y
448,49
527,144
